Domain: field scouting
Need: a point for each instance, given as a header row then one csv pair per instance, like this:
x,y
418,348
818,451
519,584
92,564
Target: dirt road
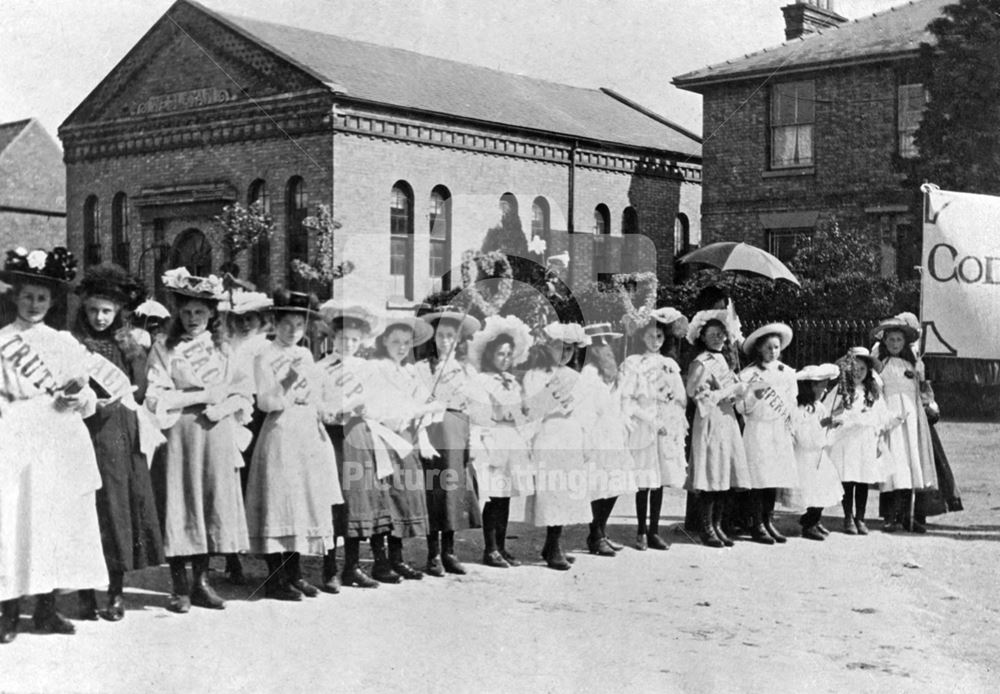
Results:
x,y
883,613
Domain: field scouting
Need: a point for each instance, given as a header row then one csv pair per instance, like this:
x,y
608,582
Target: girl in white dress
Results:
x,y
49,534
912,452
293,477
554,404
717,459
611,468
654,400
859,407
768,406
501,432
819,483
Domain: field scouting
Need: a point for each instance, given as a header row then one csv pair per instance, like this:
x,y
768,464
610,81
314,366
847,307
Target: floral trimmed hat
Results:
x,y
702,318
572,333
182,283
495,326
54,269
111,281
242,302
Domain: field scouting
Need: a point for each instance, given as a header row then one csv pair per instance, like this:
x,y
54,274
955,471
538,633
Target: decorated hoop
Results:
x,y
492,265
646,284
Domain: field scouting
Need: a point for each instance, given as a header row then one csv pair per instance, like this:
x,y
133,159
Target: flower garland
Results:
x,y
492,265
646,284
58,264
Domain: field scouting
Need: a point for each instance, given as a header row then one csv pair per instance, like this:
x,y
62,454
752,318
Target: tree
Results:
x,y
321,272
241,227
958,138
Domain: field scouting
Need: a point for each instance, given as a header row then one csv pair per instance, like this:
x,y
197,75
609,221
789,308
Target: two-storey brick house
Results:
x,y
817,130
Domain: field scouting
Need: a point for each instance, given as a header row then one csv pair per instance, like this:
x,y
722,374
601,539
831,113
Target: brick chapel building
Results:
x,y
413,154
817,130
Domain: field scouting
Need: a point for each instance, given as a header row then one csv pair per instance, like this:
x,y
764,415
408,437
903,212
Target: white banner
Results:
x,y
960,282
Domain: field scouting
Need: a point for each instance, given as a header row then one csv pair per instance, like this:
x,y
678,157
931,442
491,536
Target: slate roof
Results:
x,y
889,34
379,74
9,131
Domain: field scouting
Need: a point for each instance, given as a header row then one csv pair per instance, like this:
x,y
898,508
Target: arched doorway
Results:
x,y
192,250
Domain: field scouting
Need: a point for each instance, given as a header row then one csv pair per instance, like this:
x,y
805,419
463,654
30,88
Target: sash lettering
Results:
x,y
111,378
25,361
202,358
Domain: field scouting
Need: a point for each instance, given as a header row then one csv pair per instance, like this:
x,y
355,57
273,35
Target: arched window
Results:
x,y
119,230
602,220
440,231
296,234
632,246
682,234
401,240
508,204
540,217
91,232
192,250
260,254
630,221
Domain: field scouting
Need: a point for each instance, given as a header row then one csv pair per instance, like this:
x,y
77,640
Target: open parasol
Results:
x,y
732,256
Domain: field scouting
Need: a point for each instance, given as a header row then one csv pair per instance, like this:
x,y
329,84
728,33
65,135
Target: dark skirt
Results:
x,y
256,422
452,499
126,508
407,493
935,502
365,511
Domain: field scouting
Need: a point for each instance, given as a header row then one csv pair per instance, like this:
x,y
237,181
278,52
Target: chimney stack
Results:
x,y
806,16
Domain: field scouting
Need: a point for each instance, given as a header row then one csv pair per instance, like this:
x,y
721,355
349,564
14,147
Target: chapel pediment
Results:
x,y
192,59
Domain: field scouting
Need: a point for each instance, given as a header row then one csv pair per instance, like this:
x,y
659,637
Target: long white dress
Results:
x,y
561,483
912,456
768,407
718,459
293,477
610,465
501,438
855,449
49,534
654,401
819,484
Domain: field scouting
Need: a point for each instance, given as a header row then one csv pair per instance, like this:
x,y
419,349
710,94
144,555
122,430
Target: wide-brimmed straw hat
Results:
x,y
337,309
910,332
594,330
818,372
494,327
180,282
421,329
571,333
702,318
468,324
244,302
860,353
54,269
783,332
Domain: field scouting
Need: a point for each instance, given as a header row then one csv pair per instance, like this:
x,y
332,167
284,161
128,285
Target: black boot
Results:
x,y
434,566
88,605
491,550
397,562
448,557
353,574
860,506
768,498
500,524
293,572
758,533
653,538
331,578
10,615
115,611
180,602
234,570
382,570
706,510
641,507
276,585
596,543
607,507
553,553
847,504
202,593
718,508
48,619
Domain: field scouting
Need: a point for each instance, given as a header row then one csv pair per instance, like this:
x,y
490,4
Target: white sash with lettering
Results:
x,y
116,382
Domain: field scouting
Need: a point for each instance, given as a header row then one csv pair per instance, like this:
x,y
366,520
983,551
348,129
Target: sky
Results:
x,y
54,52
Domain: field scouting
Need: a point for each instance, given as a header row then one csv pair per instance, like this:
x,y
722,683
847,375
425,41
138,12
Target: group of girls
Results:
x,y
235,440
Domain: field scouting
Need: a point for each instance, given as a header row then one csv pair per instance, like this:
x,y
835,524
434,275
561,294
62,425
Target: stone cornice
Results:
x,y
313,113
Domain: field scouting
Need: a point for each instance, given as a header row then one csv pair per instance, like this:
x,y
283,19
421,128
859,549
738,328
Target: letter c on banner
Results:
x,y
932,263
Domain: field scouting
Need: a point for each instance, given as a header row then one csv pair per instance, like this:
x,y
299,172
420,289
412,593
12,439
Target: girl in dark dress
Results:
x,y
126,511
